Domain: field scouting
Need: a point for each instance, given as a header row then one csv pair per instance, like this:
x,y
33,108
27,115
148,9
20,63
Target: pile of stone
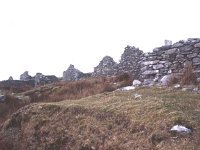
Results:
x,y
72,74
107,67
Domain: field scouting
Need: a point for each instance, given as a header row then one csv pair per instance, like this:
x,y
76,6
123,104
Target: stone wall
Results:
x,y
129,62
171,59
106,67
152,66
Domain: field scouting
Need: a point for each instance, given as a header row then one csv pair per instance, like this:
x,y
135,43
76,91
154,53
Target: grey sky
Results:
x,y
47,35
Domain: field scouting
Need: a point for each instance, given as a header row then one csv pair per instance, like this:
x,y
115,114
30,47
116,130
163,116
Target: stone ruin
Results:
x,y
25,76
152,66
148,67
39,78
72,74
106,67
130,62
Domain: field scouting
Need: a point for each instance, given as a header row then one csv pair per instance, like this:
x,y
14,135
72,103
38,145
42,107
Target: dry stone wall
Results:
x,y
171,59
129,62
106,67
154,65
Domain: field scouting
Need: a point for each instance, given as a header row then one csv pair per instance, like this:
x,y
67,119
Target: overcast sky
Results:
x,y
48,35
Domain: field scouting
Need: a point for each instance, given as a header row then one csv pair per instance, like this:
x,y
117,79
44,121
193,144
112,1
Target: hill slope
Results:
x,y
115,120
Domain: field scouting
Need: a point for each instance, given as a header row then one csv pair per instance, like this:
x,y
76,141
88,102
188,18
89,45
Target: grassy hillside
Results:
x,y
114,120
58,91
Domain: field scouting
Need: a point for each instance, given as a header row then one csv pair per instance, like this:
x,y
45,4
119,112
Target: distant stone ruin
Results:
x,y
25,76
72,74
148,67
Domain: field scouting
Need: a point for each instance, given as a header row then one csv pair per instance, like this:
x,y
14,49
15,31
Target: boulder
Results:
x,y
136,83
72,74
165,79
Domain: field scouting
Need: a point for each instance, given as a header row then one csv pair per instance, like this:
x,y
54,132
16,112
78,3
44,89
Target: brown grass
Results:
x,y
77,89
62,91
188,76
174,79
8,107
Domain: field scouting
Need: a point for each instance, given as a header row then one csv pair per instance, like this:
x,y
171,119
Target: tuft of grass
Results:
x,y
188,76
174,79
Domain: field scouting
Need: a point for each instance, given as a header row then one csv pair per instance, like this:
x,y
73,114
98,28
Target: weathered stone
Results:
x,y
72,74
197,45
148,72
192,55
136,83
164,81
150,62
186,48
175,45
158,66
144,68
196,60
171,51
148,81
25,76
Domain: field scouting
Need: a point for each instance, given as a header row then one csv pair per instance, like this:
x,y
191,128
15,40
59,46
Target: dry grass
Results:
x,y
188,76
76,89
111,121
61,91
174,79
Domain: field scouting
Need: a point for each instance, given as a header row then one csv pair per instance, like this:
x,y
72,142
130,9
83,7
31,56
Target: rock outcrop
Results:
x,y
72,74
